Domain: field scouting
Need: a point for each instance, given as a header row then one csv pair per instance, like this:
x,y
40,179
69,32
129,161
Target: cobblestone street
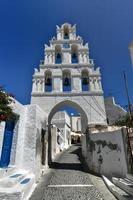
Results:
x,y
68,181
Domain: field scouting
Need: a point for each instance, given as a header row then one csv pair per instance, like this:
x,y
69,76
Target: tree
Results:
x,y
6,99
125,121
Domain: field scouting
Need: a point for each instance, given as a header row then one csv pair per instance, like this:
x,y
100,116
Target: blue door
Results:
x,y
7,144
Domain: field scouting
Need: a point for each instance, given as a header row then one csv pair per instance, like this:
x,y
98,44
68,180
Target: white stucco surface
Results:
x,y
89,102
85,102
2,128
106,154
62,121
26,147
76,123
13,189
55,147
29,141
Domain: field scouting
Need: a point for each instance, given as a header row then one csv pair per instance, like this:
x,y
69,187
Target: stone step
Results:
x,y
27,186
124,184
13,178
17,186
118,193
6,171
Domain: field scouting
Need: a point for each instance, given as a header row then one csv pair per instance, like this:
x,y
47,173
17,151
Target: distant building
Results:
x,y
76,123
114,111
62,120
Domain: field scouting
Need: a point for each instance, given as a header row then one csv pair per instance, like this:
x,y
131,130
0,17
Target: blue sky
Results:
x,y
25,26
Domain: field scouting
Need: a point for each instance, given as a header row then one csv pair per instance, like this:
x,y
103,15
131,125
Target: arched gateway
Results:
x,y
58,106
67,75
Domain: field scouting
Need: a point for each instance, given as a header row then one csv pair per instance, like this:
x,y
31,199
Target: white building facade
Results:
x,y
62,121
67,76
76,123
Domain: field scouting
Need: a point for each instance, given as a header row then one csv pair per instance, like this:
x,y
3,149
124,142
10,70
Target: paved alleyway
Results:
x,y
69,181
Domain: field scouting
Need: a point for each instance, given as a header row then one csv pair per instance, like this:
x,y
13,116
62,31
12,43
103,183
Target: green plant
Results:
x,y
6,99
125,121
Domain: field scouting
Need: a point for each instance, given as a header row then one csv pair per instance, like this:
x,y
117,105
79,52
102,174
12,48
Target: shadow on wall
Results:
x,y
105,152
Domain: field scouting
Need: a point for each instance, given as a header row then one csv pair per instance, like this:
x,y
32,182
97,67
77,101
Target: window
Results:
x,y
66,81
48,81
66,36
74,58
74,54
85,81
58,58
58,54
66,31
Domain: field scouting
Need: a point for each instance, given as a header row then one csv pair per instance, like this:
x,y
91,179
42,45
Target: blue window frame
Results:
x,y
48,85
85,86
74,58
66,84
58,58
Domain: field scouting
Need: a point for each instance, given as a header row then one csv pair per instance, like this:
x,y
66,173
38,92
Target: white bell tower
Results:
x,y
67,73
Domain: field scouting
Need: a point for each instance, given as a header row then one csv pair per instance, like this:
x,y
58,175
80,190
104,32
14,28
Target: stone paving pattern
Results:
x,y
69,170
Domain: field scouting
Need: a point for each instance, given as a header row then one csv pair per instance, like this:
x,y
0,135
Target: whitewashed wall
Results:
x,y
62,121
26,151
106,153
55,147
19,110
76,123
29,142
18,135
90,113
2,128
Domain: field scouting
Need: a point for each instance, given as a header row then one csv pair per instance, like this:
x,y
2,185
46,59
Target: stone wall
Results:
x,y
105,152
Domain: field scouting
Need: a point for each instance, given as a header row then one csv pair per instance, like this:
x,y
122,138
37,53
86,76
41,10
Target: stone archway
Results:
x,y
84,119
56,108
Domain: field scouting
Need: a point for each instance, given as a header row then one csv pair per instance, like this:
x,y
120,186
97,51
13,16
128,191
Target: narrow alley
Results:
x,y
68,180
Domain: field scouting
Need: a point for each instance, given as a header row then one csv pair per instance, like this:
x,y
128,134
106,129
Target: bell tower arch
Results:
x,y
68,74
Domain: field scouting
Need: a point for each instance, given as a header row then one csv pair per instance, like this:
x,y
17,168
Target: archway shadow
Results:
x,y
70,166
